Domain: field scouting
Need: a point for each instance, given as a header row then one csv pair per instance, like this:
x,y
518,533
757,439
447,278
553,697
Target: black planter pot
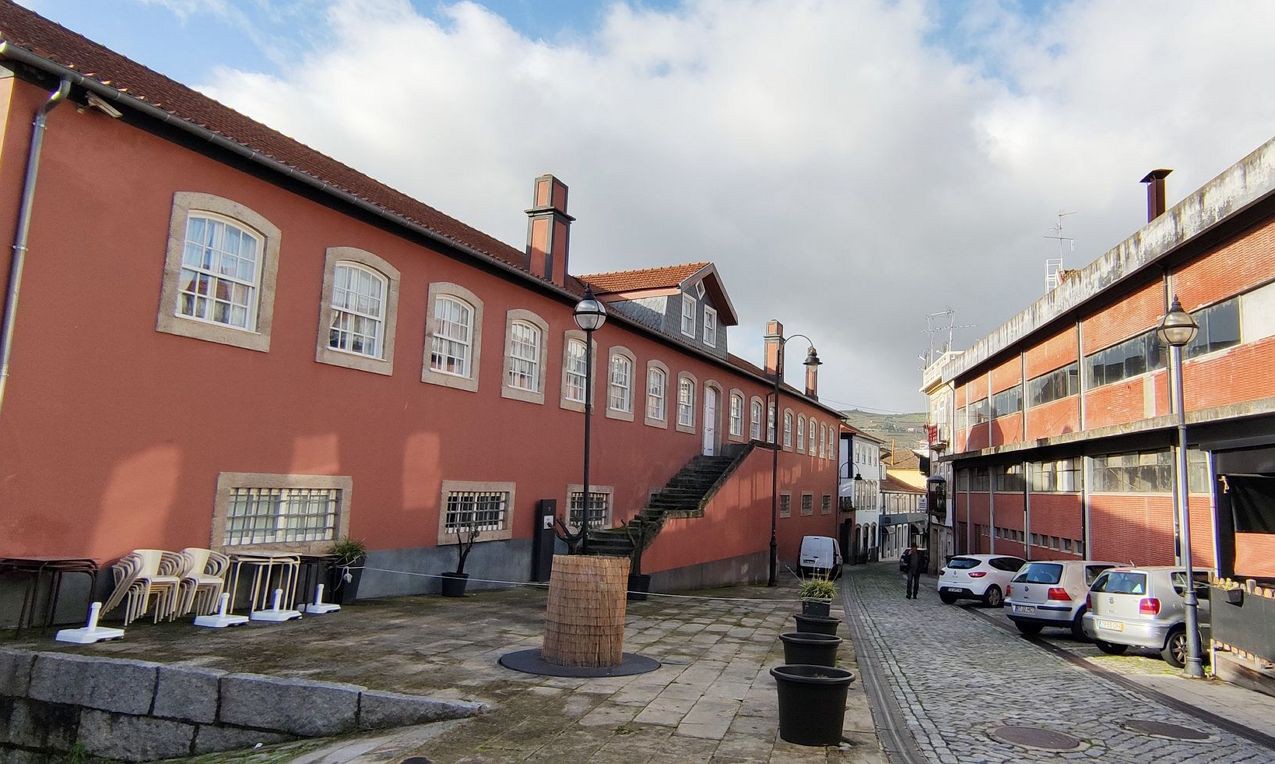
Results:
x,y
810,649
816,607
812,703
454,584
817,624
639,586
340,590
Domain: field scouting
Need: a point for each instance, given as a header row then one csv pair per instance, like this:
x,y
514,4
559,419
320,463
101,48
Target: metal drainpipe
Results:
x,y
24,227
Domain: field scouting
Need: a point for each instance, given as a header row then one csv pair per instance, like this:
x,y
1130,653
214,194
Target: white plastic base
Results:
x,y
219,621
84,636
274,616
321,608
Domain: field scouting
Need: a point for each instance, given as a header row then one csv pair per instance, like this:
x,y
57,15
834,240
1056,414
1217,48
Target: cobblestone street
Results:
x,y
956,677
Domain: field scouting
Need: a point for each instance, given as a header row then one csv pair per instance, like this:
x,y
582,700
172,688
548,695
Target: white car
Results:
x,y
978,577
1052,593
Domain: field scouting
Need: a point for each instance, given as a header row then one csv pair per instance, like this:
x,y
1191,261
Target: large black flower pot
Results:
x,y
816,607
343,582
454,584
817,624
812,703
639,586
810,649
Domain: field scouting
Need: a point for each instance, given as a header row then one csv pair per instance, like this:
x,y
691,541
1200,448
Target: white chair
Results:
x,y
146,577
203,581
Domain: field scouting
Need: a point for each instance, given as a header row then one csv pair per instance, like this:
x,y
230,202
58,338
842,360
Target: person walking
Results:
x,y
914,570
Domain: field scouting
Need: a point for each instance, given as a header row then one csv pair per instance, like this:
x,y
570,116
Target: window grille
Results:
x,y
807,504
483,510
599,509
826,507
281,515
785,505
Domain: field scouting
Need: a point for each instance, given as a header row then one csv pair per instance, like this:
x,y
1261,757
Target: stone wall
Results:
x,y
131,710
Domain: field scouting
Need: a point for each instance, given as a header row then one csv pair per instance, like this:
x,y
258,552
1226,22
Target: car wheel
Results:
x,y
1110,648
1078,624
947,599
1030,629
1175,649
992,597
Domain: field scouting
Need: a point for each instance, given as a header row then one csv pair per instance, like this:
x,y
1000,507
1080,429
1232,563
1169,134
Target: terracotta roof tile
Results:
x,y
51,41
643,278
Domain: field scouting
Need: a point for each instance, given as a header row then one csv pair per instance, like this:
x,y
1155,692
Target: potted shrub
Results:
x,y
641,532
816,596
466,536
346,570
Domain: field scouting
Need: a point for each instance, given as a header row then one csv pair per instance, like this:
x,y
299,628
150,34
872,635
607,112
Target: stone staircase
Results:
x,y
684,496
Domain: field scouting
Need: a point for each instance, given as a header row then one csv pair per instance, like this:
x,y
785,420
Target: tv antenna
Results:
x,y
934,324
1054,266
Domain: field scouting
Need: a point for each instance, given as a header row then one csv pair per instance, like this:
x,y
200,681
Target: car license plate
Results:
x,y
949,589
1111,625
1024,609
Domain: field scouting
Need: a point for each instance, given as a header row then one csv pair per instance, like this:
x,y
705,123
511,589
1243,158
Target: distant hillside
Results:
x,y
903,430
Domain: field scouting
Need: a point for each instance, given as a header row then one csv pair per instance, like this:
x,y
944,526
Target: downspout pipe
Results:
x,y
24,227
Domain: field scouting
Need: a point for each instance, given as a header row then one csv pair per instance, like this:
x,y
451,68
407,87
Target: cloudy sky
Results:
x,y
850,166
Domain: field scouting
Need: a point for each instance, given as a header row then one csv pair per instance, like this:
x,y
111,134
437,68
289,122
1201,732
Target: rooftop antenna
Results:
x,y
934,325
1054,266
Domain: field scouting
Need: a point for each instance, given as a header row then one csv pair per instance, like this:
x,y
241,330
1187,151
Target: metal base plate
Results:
x,y
1038,738
531,662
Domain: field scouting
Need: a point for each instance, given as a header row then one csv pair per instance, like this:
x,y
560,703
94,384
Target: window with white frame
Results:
x,y
219,272
823,438
574,371
296,513
832,443
710,326
525,334
451,351
754,425
688,315
801,434
787,429
656,395
736,415
620,387
685,402
360,300
599,507
770,424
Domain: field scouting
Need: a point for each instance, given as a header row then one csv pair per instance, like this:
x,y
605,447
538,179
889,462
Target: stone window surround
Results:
x,y
226,481
655,364
324,352
517,393
739,437
609,490
169,321
563,401
611,413
446,538
687,428
428,374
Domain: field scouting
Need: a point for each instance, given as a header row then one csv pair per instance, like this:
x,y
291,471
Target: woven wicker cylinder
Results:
x,y
584,623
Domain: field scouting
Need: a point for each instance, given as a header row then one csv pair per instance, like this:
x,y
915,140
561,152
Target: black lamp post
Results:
x,y
590,315
812,360
1177,330
850,554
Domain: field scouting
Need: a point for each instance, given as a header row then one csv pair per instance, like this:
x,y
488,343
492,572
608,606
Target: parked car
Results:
x,y
1144,607
978,577
1052,593
925,559
820,557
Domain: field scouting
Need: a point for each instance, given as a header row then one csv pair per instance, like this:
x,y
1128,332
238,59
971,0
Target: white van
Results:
x,y
820,556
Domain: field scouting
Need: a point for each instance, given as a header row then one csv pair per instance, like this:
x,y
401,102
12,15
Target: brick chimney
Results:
x,y
812,382
549,230
774,336
1155,193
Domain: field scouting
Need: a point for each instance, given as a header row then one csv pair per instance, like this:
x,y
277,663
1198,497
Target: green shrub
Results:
x,y
817,589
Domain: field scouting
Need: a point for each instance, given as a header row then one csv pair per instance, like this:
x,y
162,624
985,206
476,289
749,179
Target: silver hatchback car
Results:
x,y
1144,607
1052,593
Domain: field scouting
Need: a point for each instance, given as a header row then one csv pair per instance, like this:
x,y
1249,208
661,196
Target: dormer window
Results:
x,y
688,315
710,326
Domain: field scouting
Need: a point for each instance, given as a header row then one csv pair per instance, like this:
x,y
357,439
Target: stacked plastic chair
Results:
x,y
146,579
202,581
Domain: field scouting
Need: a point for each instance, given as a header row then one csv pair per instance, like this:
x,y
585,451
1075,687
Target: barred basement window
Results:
x,y
807,504
599,509
484,509
785,505
826,507
281,515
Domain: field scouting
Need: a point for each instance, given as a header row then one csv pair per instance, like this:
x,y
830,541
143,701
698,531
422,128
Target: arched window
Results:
x,y
754,424
656,393
620,397
686,402
451,351
770,424
736,415
573,382
220,272
525,343
358,310
801,434
787,429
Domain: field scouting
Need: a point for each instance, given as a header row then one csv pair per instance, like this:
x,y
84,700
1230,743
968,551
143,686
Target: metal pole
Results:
x,y
1194,667
773,580
588,412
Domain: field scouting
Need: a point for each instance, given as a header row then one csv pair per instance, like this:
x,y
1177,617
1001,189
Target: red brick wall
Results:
x,y
1133,315
1055,352
1058,514
1006,429
1054,418
1236,267
1007,374
1138,528
976,388
1009,514
977,437
1116,403
1245,368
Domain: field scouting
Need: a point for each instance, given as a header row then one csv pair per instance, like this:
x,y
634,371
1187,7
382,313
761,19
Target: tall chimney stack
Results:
x,y
1155,193
774,337
549,230
812,382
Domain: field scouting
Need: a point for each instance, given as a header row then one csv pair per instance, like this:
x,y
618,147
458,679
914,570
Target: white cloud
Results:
x,y
847,174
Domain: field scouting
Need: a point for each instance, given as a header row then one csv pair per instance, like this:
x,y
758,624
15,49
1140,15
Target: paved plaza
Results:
x,y
950,676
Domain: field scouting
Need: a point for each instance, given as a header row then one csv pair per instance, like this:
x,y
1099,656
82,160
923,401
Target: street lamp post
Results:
x,y
812,360
1177,330
848,554
590,315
